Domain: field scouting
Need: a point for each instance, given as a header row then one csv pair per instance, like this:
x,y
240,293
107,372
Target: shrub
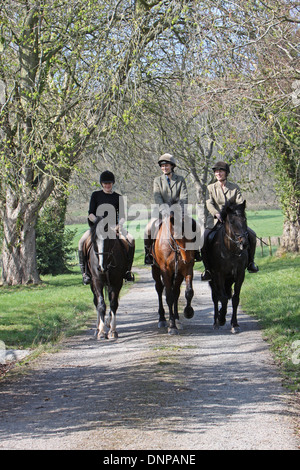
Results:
x,y
54,250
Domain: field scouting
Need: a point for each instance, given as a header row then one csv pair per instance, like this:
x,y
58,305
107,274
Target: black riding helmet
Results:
x,y
107,177
221,166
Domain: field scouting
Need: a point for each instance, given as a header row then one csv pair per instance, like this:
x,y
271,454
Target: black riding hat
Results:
x,y
107,177
221,166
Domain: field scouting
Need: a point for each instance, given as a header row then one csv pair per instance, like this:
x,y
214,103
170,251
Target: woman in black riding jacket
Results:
x,y
107,197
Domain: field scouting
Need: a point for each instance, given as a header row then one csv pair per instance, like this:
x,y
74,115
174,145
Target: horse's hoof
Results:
x,y
179,325
162,324
113,335
188,312
216,326
173,331
235,329
101,335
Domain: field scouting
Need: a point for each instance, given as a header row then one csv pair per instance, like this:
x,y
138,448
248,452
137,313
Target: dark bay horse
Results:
x,y
107,265
228,253
172,263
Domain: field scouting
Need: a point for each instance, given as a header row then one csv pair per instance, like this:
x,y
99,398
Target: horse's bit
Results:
x,y
236,240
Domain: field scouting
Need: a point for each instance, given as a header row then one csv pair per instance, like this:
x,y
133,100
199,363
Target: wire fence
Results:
x,y
268,244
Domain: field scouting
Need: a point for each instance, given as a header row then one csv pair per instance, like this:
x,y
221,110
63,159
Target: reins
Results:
x,y
235,240
177,247
109,254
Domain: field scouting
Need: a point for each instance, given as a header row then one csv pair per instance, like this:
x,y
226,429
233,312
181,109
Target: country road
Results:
x,y
201,389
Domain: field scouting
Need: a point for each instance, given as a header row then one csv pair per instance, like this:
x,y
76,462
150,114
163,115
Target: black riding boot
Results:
x,y
148,257
206,276
82,263
252,268
129,276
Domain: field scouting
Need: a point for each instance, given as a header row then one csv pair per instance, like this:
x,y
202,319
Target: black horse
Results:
x,y
228,252
107,264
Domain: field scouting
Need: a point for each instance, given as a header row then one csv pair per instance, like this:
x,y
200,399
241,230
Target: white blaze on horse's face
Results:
x,y
100,245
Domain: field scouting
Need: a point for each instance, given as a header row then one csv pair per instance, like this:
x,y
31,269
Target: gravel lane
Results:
x,y
201,389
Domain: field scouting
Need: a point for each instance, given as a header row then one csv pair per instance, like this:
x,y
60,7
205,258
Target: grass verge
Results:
x,y
272,296
34,315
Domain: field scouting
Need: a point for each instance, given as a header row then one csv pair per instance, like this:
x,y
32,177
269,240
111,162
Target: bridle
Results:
x,y
110,255
174,245
238,238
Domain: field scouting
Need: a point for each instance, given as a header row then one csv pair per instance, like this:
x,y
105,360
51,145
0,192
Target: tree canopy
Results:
x,y
71,71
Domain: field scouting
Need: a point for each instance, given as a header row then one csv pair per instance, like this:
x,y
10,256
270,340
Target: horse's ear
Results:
x,y
94,226
174,200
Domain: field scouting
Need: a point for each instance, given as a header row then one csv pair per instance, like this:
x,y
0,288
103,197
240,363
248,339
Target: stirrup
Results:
x,y
148,259
206,276
252,268
86,279
129,276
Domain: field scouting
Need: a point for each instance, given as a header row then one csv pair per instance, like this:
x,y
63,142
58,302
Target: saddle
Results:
x,y
212,233
87,245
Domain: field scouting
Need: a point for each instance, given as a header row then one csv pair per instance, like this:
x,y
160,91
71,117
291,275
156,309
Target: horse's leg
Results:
x,y
114,303
172,330
176,294
223,311
219,294
189,294
235,328
216,316
215,300
226,295
101,309
162,323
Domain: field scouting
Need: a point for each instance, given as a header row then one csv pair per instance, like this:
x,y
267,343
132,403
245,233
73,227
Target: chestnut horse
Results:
x,y
228,253
172,263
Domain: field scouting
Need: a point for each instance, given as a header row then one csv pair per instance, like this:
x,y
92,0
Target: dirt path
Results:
x,y
202,389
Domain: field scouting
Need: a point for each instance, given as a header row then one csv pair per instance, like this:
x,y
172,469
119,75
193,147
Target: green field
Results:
x,y
265,223
33,316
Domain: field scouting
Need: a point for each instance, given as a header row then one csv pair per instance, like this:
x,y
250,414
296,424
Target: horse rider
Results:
x,y
217,195
167,188
107,196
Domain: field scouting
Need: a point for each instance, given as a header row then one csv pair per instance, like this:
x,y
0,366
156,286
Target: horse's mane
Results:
x,y
93,229
235,209
173,201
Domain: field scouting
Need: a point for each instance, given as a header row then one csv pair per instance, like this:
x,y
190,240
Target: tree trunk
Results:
x,y
19,251
290,240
